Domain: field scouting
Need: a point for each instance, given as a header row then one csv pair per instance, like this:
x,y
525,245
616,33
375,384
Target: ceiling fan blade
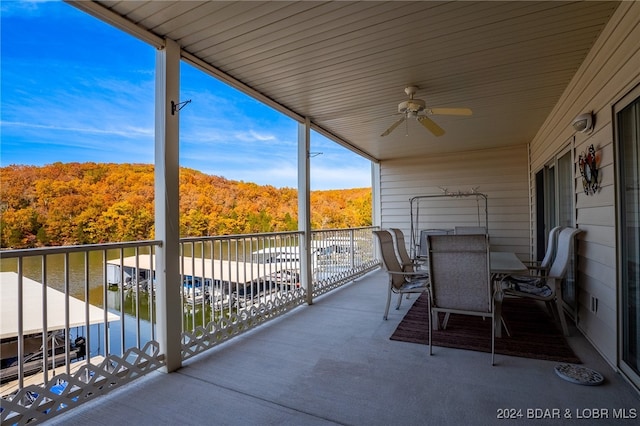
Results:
x,y
393,126
450,111
431,126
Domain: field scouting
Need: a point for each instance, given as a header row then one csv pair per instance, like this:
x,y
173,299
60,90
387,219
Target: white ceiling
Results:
x,y
346,64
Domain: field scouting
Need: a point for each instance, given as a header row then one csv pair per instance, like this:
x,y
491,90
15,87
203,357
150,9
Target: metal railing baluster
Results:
x,y
67,337
21,325
45,327
235,275
136,282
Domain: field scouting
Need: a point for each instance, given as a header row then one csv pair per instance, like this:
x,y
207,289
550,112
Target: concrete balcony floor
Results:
x,y
333,363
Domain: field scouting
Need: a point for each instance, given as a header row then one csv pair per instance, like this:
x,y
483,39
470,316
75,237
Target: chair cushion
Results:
x,y
531,285
415,284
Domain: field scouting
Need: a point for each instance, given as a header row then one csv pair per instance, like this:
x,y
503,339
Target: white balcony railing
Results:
x,y
79,321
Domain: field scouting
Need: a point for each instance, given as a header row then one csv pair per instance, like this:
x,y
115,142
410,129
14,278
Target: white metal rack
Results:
x,y
417,233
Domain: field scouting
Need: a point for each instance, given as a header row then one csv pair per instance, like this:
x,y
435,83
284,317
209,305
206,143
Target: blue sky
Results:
x,y
75,89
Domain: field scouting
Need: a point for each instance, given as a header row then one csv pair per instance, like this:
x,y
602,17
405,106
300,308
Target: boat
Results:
x,y
59,321
33,362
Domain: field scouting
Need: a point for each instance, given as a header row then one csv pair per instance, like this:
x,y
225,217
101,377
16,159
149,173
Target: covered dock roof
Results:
x,y
221,270
32,303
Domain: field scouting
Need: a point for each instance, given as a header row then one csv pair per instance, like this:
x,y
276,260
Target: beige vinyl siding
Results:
x,y
611,70
501,173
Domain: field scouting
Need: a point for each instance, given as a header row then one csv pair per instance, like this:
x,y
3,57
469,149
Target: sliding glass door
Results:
x,y
627,116
566,218
555,207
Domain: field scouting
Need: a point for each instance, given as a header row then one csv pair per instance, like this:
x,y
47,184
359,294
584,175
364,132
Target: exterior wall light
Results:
x,y
583,123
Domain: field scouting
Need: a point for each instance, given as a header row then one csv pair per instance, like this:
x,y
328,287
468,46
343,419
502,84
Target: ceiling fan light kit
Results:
x,y
417,108
411,106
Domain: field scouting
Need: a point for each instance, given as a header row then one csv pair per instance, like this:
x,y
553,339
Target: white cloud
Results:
x,y
126,131
65,102
253,135
21,8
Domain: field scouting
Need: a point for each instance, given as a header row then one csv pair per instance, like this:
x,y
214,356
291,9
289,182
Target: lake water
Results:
x,y
136,311
86,279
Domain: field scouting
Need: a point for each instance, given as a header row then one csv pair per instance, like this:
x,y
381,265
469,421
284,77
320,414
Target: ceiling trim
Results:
x,y
112,18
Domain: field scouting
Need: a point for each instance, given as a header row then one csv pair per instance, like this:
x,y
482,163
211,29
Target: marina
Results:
x,y
22,328
218,281
222,282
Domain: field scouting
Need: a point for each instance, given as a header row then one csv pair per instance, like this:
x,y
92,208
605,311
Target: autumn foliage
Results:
x,y
86,203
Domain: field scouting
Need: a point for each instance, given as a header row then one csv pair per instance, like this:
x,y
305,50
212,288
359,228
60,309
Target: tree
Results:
x,y
83,203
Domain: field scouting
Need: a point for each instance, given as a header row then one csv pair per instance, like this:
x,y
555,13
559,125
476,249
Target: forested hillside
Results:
x,y
84,203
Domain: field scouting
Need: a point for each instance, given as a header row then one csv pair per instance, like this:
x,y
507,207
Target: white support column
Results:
x,y
304,206
167,219
376,211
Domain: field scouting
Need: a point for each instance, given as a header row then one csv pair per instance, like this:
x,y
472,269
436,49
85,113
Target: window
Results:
x,y
627,126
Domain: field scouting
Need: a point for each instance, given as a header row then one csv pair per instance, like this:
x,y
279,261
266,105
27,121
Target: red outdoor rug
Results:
x,y
533,332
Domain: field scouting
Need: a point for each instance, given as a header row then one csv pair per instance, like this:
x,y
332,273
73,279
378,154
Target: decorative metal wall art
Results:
x,y
588,163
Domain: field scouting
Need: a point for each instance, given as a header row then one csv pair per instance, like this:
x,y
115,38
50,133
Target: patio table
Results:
x,y
503,263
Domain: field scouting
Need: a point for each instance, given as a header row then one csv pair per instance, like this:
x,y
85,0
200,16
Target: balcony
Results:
x,y
80,321
331,362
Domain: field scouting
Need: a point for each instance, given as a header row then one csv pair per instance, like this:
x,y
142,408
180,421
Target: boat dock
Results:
x,y
205,277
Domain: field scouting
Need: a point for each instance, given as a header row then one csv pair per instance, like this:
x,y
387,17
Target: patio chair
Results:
x,y
542,267
547,288
400,282
423,250
408,263
460,279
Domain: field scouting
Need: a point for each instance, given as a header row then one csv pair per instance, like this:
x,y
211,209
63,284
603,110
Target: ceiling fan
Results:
x,y
416,108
